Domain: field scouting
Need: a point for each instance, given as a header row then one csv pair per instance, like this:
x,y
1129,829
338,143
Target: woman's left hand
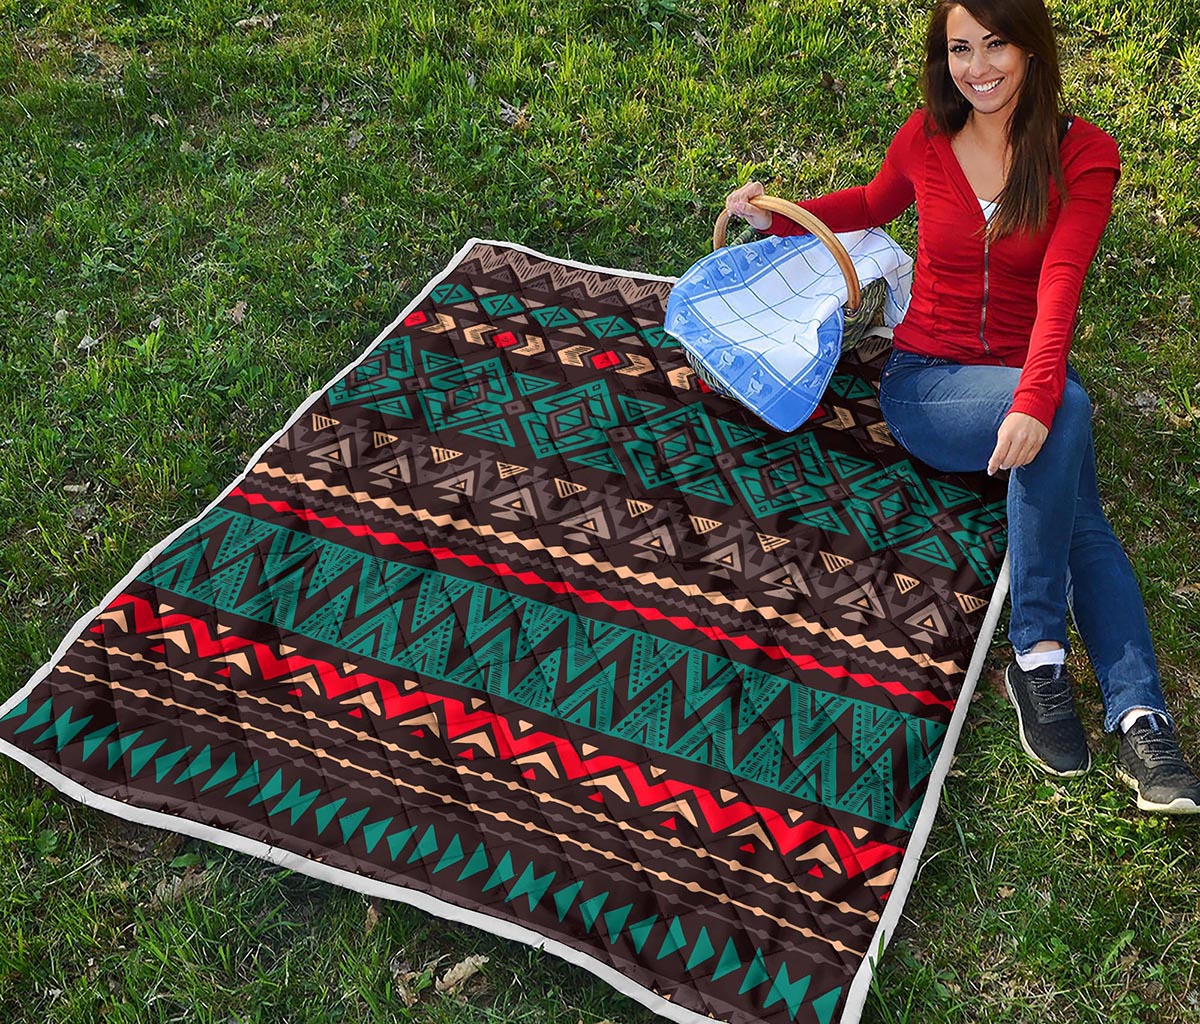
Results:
x,y
1018,441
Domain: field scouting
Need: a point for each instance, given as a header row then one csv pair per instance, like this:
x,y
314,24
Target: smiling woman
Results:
x,y
1012,198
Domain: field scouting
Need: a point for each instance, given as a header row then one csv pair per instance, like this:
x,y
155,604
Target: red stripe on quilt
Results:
x,y
681,622
855,857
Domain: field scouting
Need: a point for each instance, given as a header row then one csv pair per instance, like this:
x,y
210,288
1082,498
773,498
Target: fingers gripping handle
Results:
x,y
813,224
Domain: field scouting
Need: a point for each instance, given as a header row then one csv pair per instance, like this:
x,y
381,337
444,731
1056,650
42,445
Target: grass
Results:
x,y
202,223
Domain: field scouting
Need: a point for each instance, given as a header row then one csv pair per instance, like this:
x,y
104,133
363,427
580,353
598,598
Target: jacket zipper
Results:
x,y
983,309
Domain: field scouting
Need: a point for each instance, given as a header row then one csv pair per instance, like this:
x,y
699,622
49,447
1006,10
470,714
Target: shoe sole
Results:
x,y
1180,805
1070,774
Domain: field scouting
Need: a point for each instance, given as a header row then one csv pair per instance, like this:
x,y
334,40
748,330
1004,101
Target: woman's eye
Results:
x,y
997,43
958,48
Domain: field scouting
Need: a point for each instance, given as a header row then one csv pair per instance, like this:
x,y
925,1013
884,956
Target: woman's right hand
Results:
x,y
737,204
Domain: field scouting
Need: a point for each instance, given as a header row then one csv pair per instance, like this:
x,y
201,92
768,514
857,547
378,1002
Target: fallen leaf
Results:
x,y
405,979
237,312
60,317
460,972
186,147
1146,401
514,117
158,120
372,918
1006,892
353,139
75,488
266,21
832,84
156,323
87,341
174,888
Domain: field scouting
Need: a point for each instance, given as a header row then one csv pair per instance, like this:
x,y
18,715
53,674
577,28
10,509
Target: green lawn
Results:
x,y
201,223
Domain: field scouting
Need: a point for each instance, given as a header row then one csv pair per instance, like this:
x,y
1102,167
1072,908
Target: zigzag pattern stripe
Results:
x,y
948,668
134,614
478,809
589,596
872,794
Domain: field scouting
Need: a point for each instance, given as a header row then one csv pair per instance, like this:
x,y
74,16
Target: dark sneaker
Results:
x,y
1050,729
1149,760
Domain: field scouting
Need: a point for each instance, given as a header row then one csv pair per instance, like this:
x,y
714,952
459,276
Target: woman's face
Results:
x,y
987,69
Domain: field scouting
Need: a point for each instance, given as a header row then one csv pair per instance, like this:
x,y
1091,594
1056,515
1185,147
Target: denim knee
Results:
x,y
1075,412
1072,424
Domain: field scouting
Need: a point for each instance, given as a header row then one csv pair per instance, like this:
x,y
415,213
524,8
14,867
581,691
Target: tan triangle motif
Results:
x,y
367,700
702,525
507,469
822,852
637,508
657,772
880,434
589,749
412,684
164,609
283,648
905,583
339,453
729,556
929,617
347,668
770,543
835,562
524,725
382,440
860,833
566,488
441,455
728,794
464,483
517,501
755,829
795,815
323,422
476,703
863,596
969,603
845,418
592,521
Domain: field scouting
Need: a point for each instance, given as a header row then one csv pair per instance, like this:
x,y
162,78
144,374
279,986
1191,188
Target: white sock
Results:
x,y
1036,659
1130,717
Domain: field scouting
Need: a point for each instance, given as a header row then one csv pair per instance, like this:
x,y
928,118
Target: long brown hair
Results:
x,y
1037,122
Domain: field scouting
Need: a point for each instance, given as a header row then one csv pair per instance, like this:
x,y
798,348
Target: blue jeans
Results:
x,y
1062,552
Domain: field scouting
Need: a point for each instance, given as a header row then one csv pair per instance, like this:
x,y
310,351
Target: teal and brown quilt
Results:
x,y
516,622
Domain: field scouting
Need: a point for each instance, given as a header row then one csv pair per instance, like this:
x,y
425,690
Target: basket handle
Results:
x,y
806,220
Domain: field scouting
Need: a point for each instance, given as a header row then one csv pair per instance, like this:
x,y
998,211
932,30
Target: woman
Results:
x,y
1012,198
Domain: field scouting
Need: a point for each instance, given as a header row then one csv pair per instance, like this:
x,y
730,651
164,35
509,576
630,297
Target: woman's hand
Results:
x,y
737,203
1018,441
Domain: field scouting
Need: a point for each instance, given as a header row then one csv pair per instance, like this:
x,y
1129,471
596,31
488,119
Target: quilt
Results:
x,y
516,622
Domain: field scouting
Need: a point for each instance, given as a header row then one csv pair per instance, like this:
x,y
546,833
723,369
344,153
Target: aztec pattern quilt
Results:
x,y
518,623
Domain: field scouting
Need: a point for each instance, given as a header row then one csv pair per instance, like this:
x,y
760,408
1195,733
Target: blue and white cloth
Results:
x,y
765,319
